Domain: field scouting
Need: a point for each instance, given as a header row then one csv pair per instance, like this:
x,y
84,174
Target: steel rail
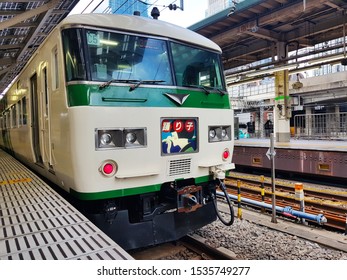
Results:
x,y
335,215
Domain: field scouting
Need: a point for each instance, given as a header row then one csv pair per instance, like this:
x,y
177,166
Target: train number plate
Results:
x,y
179,136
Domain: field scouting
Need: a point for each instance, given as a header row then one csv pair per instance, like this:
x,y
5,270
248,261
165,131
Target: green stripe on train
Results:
x,y
120,96
127,192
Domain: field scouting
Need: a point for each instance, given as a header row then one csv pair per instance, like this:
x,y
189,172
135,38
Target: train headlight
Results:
x,y
130,138
212,134
105,139
219,133
120,138
135,138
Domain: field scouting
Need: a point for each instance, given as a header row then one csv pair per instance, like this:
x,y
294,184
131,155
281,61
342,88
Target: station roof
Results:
x,y
24,25
251,31
247,34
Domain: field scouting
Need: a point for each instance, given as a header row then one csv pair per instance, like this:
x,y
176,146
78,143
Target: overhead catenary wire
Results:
x,y
121,6
143,2
152,4
149,5
165,7
129,7
90,2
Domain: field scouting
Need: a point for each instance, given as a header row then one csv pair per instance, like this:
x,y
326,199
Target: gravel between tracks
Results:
x,y
250,241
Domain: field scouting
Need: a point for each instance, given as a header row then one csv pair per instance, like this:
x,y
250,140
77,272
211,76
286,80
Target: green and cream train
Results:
x,y
130,116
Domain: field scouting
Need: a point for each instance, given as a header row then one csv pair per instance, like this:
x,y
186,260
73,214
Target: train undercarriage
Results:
x,y
153,218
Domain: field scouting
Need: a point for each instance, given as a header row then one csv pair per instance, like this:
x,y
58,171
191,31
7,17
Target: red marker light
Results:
x,y
226,154
108,168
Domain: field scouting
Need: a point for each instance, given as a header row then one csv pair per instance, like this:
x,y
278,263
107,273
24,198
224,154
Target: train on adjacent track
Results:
x,y
131,117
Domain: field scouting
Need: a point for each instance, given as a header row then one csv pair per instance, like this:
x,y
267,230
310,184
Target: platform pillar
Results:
x,y
308,121
337,123
261,122
282,109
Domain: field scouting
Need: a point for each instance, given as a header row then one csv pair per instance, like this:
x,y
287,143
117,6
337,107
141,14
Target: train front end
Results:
x,y
151,128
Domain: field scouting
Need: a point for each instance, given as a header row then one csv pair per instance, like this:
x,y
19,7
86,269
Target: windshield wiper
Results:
x,y
217,89
140,82
207,89
200,87
106,84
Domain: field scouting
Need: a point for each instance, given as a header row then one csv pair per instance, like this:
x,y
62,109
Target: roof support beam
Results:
x,y
6,61
12,37
10,13
8,47
28,14
263,34
294,9
5,70
333,5
33,33
327,26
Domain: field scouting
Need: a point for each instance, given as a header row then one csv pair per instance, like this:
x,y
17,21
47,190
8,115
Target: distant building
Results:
x,y
129,7
215,6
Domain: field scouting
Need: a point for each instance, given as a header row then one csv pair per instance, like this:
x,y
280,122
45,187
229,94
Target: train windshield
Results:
x,y
110,56
127,57
196,67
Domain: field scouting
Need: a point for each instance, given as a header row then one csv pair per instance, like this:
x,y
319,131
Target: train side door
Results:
x,y
45,117
35,122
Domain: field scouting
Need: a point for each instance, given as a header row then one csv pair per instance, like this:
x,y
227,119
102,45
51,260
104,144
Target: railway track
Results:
x,y
332,203
195,247
190,247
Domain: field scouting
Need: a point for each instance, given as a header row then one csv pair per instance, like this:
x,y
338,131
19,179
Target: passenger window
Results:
x,y
7,119
14,115
45,88
24,111
20,110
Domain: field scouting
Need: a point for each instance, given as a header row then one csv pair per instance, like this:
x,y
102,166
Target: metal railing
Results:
x,y
321,126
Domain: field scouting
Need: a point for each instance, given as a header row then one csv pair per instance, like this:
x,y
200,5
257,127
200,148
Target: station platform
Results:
x,y
298,144
36,223
327,159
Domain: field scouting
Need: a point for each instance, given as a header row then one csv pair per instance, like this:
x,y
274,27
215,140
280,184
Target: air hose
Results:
x,y
223,188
